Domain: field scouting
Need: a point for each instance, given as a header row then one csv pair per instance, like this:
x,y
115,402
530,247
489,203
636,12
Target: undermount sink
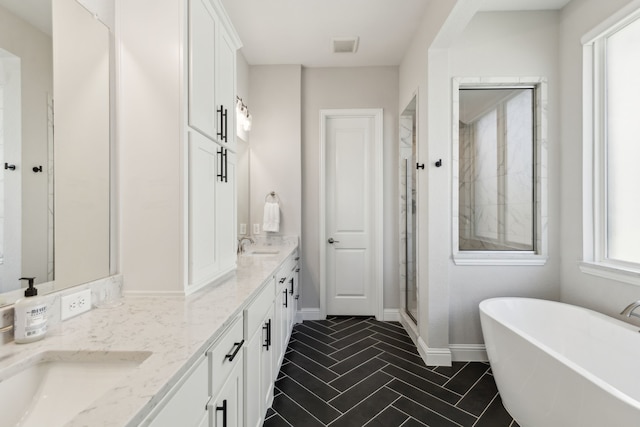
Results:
x,y
53,387
259,252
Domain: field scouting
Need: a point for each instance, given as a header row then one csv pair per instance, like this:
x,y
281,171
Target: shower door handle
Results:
x,y
333,241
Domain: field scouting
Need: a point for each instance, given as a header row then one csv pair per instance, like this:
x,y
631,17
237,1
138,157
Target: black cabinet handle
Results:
x,y
297,296
291,283
223,408
226,164
224,123
221,168
267,327
419,165
10,167
283,279
297,270
220,132
286,299
238,346
297,258
223,155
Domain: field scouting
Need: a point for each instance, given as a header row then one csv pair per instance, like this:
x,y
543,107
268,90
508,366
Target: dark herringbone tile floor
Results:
x,y
350,371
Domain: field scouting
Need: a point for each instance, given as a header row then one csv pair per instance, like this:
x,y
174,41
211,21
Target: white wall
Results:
x,y
509,44
275,143
604,295
150,157
335,88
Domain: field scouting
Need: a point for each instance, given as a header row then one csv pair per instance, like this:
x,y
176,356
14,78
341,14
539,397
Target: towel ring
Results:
x,y
272,196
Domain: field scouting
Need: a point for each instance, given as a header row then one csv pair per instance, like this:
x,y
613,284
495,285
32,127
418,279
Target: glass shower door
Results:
x,y
408,208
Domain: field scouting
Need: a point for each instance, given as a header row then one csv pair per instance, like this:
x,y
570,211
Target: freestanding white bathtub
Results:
x,y
560,365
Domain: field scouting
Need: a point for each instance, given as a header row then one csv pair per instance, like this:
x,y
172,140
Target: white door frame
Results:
x,y
377,229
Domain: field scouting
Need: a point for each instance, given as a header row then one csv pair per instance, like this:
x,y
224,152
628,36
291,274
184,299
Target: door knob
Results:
x,y
333,241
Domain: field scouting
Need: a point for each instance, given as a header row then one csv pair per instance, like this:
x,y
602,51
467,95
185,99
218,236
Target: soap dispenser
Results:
x,y
29,315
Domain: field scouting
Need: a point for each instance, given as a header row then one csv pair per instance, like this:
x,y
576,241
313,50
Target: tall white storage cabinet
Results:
x,y
176,91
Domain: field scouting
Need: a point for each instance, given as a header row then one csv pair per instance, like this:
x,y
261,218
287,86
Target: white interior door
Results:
x,y
352,212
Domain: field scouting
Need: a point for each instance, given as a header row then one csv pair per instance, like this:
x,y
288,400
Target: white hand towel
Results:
x,y
271,218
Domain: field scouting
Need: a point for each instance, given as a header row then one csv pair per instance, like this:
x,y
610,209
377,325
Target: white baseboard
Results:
x,y
308,314
391,315
469,353
409,326
434,356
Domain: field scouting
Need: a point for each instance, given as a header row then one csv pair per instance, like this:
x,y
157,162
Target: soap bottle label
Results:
x,y
36,321
30,324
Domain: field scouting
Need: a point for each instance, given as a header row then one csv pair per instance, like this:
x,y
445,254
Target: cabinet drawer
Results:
x,y
286,270
221,355
255,312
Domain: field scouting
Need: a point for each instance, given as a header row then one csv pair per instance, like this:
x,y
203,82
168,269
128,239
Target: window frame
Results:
x,y
539,255
594,260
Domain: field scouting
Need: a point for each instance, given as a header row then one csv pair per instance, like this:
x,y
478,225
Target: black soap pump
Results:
x,y
29,315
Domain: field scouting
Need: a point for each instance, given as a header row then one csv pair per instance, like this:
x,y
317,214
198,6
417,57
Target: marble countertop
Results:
x,y
174,330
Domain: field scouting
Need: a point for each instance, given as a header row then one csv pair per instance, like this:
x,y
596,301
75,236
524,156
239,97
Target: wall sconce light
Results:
x,y
243,115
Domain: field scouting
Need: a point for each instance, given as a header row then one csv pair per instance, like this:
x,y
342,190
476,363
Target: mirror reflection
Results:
x,y
496,169
76,240
26,143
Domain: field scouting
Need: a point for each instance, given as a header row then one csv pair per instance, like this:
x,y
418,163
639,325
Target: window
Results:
x,y
500,197
611,216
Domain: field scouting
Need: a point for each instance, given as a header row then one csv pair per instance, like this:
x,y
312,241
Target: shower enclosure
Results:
x,y
408,234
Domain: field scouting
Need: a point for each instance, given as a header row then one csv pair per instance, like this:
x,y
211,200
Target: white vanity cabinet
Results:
x,y
284,308
212,172
203,34
211,392
212,210
295,289
227,408
280,335
186,404
212,65
259,320
226,88
232,383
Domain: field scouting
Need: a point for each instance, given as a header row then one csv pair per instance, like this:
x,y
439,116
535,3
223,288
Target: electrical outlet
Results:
x,y
74,304
256,228
243,229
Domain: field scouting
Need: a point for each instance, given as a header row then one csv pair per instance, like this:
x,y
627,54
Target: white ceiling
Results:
x,y
36,12
300,31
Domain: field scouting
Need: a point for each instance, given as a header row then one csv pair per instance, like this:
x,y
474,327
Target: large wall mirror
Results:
x,y
500,148
496,154
54,143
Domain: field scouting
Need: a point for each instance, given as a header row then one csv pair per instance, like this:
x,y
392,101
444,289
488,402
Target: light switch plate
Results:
x,y
243,229
74,304
256,228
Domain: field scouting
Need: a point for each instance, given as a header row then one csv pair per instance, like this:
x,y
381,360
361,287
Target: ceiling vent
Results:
x,y
345,44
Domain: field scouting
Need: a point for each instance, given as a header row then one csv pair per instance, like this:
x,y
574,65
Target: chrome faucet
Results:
x,y
629,310
241,242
